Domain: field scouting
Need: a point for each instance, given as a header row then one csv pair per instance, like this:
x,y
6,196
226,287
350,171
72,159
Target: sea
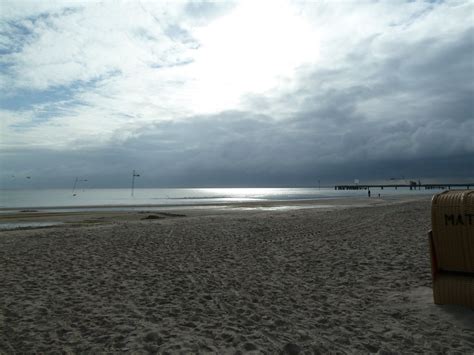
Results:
x,y
15,199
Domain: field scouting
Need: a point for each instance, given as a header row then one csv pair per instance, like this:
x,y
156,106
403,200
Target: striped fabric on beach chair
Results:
x,y
452,247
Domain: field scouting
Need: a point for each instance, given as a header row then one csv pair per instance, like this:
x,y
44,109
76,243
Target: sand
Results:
x,y
351,279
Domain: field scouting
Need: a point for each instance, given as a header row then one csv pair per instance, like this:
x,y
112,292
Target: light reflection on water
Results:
x,y
122,197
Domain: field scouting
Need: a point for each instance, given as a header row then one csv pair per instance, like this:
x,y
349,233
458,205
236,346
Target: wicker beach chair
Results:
x,y
452,247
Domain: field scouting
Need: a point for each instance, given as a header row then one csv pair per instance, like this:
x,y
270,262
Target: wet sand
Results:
x,y
348,277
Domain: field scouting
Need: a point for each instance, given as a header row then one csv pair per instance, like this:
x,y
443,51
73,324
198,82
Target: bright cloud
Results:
x,y
250,50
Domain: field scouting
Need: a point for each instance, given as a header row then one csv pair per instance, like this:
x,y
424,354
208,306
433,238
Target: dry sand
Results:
x,y
342,280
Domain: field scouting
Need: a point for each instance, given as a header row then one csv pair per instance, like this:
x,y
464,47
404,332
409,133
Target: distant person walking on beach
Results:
x,y
368,193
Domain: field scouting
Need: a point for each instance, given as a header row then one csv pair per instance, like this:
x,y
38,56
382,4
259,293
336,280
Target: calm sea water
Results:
x,y
15,199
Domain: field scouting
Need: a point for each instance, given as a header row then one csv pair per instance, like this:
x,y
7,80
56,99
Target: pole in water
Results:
x,y
75,184
74,187
134,174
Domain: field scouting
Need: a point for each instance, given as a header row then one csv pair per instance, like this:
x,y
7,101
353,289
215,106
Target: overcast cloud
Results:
x,y
236,93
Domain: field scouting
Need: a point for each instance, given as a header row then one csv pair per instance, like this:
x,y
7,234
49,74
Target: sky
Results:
x,y
251,93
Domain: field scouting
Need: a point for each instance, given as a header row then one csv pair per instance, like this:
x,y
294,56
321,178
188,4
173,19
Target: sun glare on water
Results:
x,y
249,51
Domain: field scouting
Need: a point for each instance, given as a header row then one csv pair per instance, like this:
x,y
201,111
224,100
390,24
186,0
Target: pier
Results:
x,y
412,186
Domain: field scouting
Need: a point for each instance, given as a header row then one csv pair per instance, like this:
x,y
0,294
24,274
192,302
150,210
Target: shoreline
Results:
x,y
266,195
263,203
60,216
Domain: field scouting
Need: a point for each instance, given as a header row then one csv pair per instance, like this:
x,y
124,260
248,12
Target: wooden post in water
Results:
x,y
134,174
75,185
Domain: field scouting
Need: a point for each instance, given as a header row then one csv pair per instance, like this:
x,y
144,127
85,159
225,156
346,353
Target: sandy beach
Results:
x,y
344,277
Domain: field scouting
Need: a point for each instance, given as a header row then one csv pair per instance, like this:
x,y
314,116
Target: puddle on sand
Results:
x,y
279,208
17,225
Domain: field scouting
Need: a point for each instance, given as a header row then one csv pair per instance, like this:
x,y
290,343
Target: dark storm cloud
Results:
x,y
244,149
422,98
